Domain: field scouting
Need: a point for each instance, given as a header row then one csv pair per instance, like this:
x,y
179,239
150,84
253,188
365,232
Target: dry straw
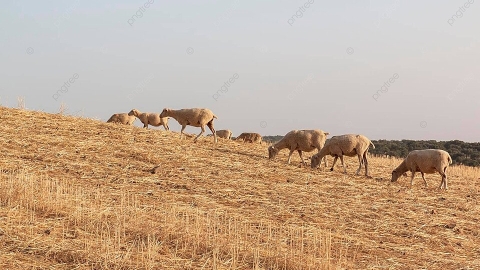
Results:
x,y
77,193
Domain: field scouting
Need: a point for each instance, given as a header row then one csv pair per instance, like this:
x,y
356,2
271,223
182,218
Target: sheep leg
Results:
x,y
444,178
411,179
181,131
289,156
360,160
165,127
200,134
303,161
423,177
212,129
365,161
444,181
334,161
343,165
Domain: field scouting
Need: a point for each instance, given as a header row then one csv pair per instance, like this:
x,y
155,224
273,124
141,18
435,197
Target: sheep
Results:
x,y
345,145
196,117
224,133
122,118
424,161
250,137
300,140
152,119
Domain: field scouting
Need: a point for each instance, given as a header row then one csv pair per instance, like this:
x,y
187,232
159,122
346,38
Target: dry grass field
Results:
x,y
76,193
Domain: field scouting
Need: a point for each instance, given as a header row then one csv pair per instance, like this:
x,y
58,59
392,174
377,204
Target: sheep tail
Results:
x,y
372,144
214,116
450,161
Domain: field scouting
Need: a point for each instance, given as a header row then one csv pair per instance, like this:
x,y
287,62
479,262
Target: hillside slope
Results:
x,y
77,192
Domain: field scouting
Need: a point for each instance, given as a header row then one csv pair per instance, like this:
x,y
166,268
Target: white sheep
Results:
x,y
224,133
345,145
196,117
300,140
152,119
424,161
250,137
122,118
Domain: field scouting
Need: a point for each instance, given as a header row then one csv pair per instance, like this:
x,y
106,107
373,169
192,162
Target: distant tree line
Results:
x,y
461,152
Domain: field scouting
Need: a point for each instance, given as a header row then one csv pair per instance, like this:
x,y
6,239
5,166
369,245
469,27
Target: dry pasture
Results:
x,y
77,193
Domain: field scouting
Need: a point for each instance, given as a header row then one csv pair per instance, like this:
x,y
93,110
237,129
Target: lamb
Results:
x,y
424,161
224,133
250,137
152,119
345,145
122,118
196,117
300,140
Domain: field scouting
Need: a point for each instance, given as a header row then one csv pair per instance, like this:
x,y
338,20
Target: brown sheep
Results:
x,y
152,119
424,161
224,133
300,140
345,145
122,118
196,117
250,137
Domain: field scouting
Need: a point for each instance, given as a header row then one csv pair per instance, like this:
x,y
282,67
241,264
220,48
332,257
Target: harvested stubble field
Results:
x,y
77,193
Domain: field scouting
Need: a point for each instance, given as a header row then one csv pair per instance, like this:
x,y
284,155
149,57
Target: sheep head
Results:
x,y
165,113
401,170
396,175
272,152
133,112
315,161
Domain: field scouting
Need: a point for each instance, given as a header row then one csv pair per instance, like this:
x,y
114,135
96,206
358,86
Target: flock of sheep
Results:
x,y
350,145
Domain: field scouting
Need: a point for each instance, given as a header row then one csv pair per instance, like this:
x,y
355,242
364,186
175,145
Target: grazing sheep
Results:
x,y
196,117
424,161
345,145
300,140
224,133
250,137
152,119
122,118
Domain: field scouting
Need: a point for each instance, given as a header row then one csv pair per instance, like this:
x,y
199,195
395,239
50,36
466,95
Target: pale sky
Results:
x,y
316,67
